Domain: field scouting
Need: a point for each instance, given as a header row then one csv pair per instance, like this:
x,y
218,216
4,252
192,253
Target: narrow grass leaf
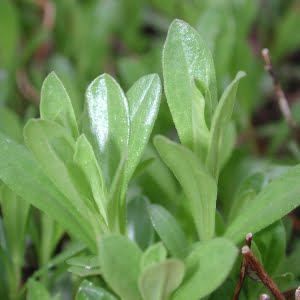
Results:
x,y
220,123
168,230
198,185
85,158
21,173
276,200
139,226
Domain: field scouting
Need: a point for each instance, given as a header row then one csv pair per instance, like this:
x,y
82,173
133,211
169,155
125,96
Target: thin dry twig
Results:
x,y
280,96
243,270
26,88
255,265
48,9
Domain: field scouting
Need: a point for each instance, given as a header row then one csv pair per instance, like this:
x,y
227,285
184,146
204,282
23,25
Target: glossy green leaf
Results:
x,y
89,291
168,230
159,280
199,187
21,173
139,227
276,200
106,123
220,123
154,254
120,263
84,265
207,267
143,100
186,58
85,158
56,105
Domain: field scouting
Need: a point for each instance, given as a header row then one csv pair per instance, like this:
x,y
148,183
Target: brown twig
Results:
x,y
48,9
280,96
26,88
255,265
248,239
243,270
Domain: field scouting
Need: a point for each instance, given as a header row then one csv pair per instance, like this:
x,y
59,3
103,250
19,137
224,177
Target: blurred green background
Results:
x,y
81,39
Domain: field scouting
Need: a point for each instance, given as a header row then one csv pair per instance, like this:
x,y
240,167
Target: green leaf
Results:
x,y
271,243
9,33
116,207
36,290
291,262
199,187
168,230
286,40
186,58
143,99
154,254
247,191
158,281
71,250
15,213
85,158
56,105
21,173
207,267
139,227
158,182
89,291
10,124
276,200
65,70
54,149
106,123
84,265
120,262
220,123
